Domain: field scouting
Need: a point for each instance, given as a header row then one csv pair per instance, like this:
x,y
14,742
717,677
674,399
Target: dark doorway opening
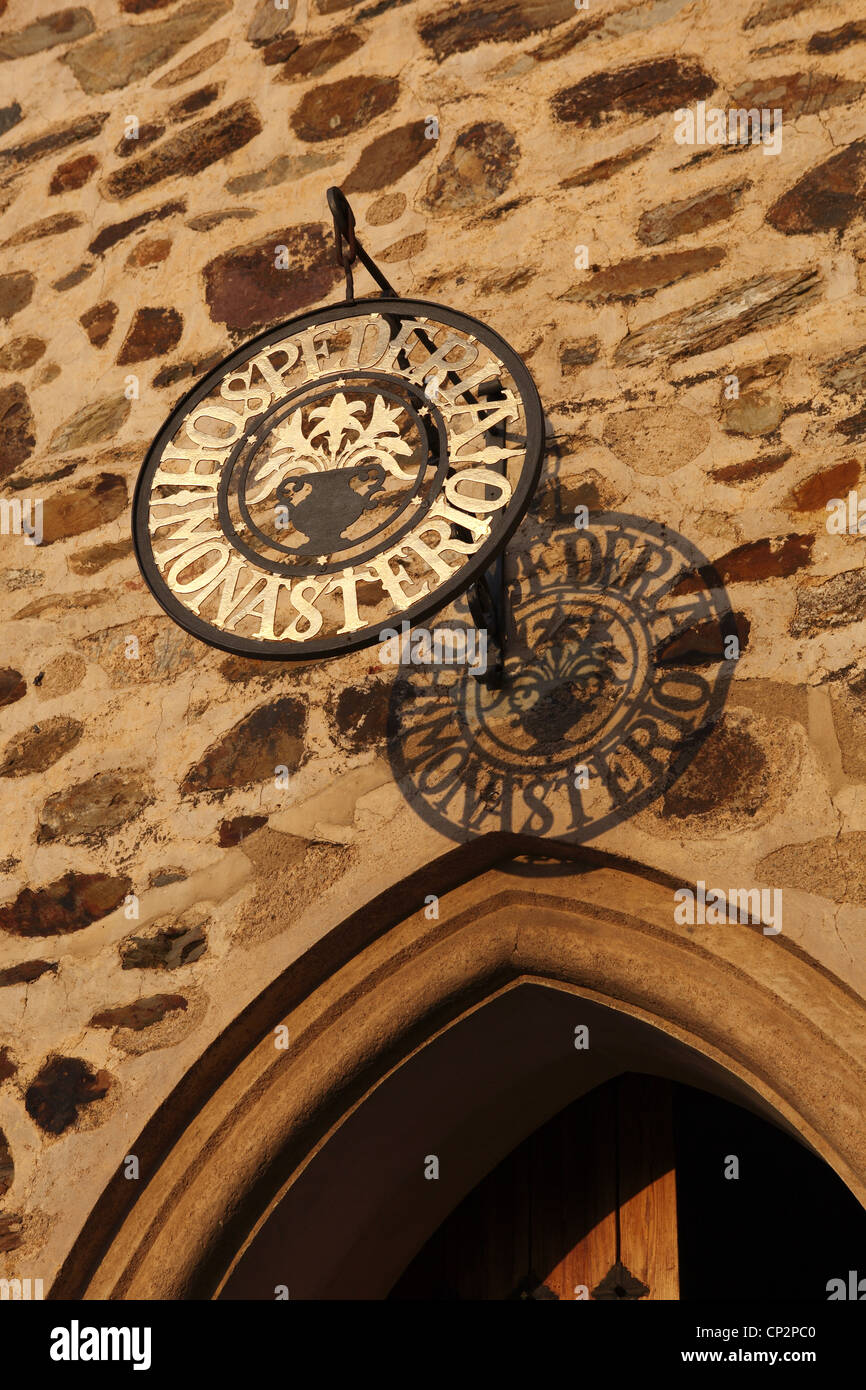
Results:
x,y
647,1189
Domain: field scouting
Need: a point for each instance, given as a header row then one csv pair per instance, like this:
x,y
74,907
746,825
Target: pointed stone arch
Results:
x,y
248,1119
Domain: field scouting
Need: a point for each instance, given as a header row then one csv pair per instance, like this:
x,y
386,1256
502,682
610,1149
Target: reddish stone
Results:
x,y
812,494
245,289
462,27
232,831
35,749
751,468
153,333
73,174
27,972
12,685
56,137
336,109
149,251
68,904
116,231
387,158
98,322
643,275
827,198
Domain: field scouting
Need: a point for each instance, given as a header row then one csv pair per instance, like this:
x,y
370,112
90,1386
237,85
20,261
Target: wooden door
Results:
x,y
584,1208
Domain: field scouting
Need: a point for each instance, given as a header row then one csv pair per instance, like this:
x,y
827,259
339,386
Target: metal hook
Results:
x,y
348,248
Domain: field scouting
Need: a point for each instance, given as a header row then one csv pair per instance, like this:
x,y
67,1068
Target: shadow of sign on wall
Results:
x,y
621,652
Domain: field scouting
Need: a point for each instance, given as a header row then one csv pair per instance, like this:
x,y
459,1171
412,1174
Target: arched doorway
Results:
x,y
254,1128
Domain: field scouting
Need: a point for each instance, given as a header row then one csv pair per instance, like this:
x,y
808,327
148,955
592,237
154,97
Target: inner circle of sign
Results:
x,y
234,477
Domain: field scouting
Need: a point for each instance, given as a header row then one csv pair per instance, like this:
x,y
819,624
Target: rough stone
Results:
x,y
656,439
581,353
92,809
117,231
120,56
58,223
388,208
7,1167
827,198
167,944
66,905
64,1084
16,292
337,109
644,275
280,170
269,23
245,290
604,169
206,221
830,603
192,67
478,169
645,89
55,138
461,27
752,413
387,158
404,249
149,251
831,867
181,371
98,557
750,469
98,322
10,116
854,426
92,503
147,134
73,173
687,215
91,424
13,686
27,972
39,747
798,94
152,333
190,105
75,277
834,40
729,769
164,651
316,57
815,491
143,1013
7,1068
64,26
360,714
194,148
270,737
17,426
772,11
235,829
755,304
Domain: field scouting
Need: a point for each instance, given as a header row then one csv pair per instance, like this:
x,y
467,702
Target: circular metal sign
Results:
x,y
357,466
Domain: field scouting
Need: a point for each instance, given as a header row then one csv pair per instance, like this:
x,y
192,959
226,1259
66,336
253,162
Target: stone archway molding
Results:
x,y
247,1118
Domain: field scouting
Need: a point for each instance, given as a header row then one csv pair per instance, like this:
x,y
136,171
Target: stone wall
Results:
x,y
155,877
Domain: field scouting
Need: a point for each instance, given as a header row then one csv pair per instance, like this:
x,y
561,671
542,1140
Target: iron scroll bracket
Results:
x,y
348,247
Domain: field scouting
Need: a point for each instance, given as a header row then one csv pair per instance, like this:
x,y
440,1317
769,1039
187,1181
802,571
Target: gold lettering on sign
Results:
x,y
275,375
